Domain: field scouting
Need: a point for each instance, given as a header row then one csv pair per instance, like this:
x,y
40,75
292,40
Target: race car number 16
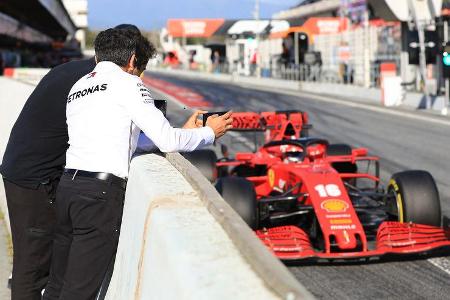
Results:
x,y
329,190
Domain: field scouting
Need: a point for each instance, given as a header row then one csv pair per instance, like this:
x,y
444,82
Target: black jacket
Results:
x,y
36,150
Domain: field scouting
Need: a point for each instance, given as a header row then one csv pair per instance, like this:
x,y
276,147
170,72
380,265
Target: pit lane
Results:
x,y
403,143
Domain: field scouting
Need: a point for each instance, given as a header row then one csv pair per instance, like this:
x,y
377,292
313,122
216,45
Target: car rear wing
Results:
x,y
278,125
253,121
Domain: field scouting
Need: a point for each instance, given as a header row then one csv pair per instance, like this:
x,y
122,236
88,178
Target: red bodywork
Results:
x,y
323,190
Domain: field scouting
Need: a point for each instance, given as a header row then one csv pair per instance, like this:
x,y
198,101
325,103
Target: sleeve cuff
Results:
x,y
208,135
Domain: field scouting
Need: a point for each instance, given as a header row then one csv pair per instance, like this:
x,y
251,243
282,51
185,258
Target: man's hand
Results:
x,y
194,121
220,124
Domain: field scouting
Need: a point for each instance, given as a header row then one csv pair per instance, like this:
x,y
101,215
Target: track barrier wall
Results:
x,y
28,75
13,95
179,238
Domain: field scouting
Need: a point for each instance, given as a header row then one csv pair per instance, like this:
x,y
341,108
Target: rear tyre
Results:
x,y
205,160
416,198
240,194
342,149
339,149
247,171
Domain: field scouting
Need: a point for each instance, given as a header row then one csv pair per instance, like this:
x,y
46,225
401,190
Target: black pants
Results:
x,y
89,214
32,217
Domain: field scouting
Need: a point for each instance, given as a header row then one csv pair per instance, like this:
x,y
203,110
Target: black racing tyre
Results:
x,y
248,171
416,197
222,171
240,194
205,160
339,149
342,149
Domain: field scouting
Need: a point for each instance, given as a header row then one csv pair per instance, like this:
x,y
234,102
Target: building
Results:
x,y
78,11
346,34
34,33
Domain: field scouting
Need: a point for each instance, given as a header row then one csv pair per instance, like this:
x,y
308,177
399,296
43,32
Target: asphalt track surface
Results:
x,y
403,143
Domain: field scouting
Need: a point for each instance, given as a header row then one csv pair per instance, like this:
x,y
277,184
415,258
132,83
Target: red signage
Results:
x,y
325,25
314,26
193,27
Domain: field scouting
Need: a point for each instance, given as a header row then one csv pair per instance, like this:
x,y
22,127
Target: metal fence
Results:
x,y
341,74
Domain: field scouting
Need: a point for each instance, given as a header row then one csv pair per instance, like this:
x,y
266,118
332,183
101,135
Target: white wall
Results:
x,y
13,95
171,247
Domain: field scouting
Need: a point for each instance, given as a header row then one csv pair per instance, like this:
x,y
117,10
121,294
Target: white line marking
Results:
x,y
405,114
171,98
442,263
235,135
241,139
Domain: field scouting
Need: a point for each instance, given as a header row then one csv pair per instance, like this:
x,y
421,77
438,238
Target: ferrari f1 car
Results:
x,y
308,199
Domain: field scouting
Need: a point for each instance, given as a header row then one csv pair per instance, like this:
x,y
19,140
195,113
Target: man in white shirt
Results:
x,y
105,110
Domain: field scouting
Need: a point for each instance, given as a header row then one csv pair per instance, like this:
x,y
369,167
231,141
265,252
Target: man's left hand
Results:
x,y
194,121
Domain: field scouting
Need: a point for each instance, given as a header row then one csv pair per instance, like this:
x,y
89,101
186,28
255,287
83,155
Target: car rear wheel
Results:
x,y
414,198
240,194
342,149
205,160
339,149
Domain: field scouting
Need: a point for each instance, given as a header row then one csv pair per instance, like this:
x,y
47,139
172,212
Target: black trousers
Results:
x,y
89,214
32,216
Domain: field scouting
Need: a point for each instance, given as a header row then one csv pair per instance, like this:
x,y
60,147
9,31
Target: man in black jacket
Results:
x,y
32,165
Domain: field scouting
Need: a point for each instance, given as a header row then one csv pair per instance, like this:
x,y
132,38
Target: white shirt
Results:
x,y
105,110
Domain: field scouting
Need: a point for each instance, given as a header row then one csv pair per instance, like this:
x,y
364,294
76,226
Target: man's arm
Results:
x,y
194,121
155,126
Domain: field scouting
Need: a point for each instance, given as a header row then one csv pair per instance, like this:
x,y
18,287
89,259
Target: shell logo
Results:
x,y
334,205
271,177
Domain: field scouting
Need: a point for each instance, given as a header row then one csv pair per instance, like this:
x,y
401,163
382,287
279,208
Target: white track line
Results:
x,y
442,263
182,105
405,114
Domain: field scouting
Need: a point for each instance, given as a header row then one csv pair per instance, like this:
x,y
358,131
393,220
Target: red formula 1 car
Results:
x,y
307,199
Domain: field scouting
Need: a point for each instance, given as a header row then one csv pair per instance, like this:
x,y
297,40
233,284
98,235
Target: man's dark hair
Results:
x,y
128,27
120,43
115,45
144,51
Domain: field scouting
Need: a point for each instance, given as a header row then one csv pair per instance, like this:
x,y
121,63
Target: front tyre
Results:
x,y
205,160
415,198
240,194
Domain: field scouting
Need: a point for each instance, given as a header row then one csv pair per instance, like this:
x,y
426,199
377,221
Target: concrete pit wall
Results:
x,y
13,95
171,247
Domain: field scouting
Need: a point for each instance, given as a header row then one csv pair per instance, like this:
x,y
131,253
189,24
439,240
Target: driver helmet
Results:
x,y
292,154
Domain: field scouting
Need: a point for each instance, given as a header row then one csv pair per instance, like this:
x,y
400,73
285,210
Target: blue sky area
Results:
x,y
153,14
